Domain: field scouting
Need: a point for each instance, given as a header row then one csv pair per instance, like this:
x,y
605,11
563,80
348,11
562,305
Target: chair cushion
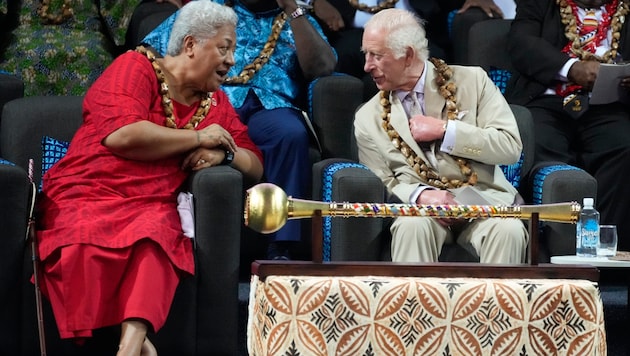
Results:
x,y
52,151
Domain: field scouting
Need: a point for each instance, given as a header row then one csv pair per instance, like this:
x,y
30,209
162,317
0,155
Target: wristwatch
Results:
x,y
300,11
307,4
229,157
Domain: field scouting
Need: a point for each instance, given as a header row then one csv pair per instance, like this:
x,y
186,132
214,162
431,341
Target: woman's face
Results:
x,y
213,59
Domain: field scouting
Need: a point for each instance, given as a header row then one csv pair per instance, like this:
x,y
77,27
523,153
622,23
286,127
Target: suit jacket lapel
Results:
x,y
400,123
433,102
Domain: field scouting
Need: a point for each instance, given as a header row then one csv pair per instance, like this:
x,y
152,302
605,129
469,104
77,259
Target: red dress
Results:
x,y
94,198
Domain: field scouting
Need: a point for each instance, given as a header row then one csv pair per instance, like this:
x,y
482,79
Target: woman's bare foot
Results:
x,y
148,349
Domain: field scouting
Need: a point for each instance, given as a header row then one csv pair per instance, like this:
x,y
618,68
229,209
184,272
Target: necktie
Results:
x,y
588,30
576,102
413,104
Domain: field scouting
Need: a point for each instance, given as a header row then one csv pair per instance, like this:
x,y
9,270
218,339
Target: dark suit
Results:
x,y
597,141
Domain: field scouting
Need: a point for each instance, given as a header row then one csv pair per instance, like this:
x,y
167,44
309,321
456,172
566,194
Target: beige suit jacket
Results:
x,y
487,135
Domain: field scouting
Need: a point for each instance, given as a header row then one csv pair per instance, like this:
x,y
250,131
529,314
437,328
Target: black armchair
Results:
x,y
204,316
368,239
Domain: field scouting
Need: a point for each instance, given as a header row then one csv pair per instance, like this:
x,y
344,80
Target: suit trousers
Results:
x,y
496,240
596,142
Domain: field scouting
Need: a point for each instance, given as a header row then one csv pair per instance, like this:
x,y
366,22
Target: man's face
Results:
x,y
386,70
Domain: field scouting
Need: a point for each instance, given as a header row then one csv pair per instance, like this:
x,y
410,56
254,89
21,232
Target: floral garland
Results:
x,y
387,4
167,102
248,72
50,19
568,14
447,89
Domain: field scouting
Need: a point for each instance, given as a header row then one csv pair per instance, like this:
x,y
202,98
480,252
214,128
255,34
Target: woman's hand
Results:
x,y
216,136
203,157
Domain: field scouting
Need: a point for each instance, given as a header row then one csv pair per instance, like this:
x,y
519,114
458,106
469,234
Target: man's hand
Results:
x,y
426,128
328,14
584,73
439,197
488,6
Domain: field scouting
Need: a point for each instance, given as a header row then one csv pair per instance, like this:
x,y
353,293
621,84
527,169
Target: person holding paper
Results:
x,y
434,129
557,48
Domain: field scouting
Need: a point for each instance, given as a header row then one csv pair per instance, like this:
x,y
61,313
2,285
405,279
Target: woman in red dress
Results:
x,y
110,238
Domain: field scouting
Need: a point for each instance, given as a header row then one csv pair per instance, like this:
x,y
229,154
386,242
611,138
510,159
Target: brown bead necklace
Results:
x,y
248,72
167,102
66,13
428,175
387,4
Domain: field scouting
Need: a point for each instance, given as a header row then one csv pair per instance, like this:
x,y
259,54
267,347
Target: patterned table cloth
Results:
x,y
307,315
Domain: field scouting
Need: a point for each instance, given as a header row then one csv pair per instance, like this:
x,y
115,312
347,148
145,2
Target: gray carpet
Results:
x,y
615,315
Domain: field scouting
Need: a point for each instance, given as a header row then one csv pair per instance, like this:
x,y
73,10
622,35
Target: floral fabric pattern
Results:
x,y
297,315
64,59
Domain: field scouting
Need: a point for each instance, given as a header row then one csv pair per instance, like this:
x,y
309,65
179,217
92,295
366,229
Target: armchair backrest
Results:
x,y
516,172
11,87
26,121
487,48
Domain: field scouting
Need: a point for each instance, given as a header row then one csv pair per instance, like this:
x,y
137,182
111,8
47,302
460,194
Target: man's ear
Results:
x,y
410,56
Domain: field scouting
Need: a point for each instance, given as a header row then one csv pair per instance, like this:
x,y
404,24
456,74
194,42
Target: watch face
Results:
x,y
300,11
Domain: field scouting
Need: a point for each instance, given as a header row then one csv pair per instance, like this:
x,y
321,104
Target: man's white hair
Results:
x,y
403,29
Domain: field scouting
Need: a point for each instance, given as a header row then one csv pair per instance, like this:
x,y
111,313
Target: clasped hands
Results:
x,y
439,197
426,128
214,140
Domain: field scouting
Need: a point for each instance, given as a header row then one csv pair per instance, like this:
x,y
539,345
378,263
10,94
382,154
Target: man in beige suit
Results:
x,y
431,130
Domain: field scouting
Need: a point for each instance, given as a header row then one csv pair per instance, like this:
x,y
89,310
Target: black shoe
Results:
x,y
278,251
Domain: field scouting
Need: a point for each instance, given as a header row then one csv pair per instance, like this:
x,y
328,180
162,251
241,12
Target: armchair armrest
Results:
x,y
553,182
356,239
14,212
218,198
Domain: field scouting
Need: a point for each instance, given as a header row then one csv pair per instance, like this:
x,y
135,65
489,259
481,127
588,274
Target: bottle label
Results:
x,y
590,233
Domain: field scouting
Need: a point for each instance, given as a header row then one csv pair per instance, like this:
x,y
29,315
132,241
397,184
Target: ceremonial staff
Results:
x,y
267,209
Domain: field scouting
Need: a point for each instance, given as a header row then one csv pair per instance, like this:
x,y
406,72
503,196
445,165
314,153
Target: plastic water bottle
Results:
x,y
587,230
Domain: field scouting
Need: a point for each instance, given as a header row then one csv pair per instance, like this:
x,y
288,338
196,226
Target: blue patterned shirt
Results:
x,y
278,83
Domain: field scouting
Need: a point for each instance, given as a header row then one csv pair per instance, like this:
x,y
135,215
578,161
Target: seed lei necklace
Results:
x,y
568,14
66,13
248,72
167,102
447,89
387,4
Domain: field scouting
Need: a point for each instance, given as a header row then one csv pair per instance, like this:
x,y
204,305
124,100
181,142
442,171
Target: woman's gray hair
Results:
x,y
200,19
403,29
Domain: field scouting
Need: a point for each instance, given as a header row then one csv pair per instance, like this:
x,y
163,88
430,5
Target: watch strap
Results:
x,y
300,11
229,157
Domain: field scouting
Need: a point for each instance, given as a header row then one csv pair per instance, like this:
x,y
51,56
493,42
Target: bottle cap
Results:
x,y
588,202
